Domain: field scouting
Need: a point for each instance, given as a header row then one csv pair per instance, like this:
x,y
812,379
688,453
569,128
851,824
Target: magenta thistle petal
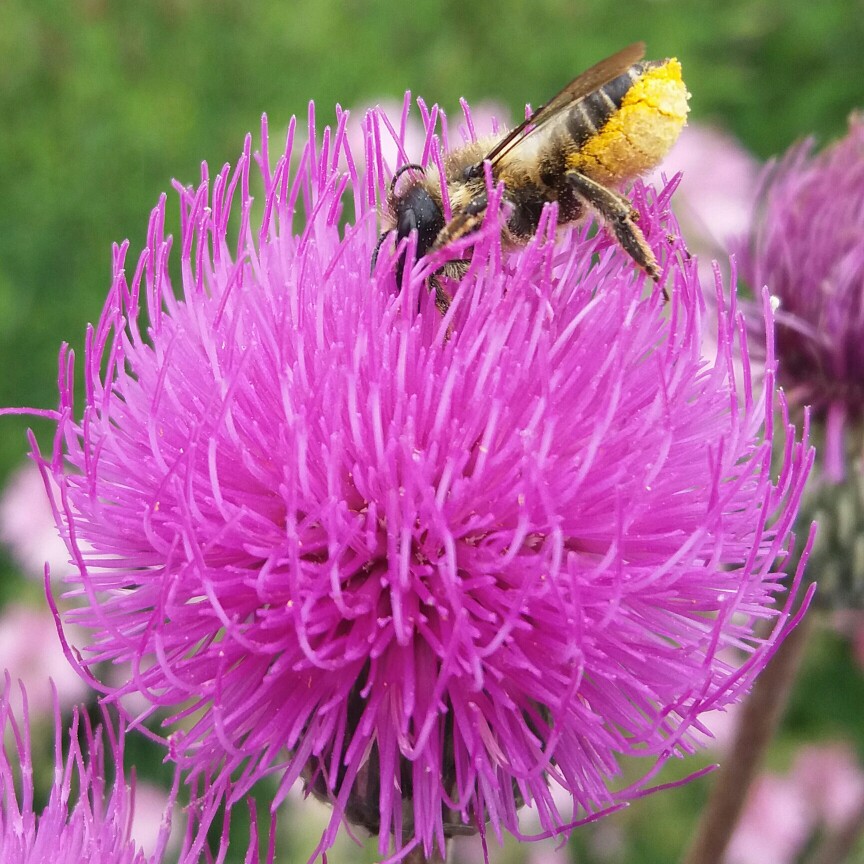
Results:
x,y
430,566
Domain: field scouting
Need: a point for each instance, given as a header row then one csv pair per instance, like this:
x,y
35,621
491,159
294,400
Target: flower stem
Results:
x,y
417,856
758,721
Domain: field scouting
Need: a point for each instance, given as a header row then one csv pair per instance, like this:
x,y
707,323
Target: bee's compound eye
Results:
x,y
416,209
405,223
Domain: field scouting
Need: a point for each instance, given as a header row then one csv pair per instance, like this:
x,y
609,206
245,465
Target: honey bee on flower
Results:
x,y
612,123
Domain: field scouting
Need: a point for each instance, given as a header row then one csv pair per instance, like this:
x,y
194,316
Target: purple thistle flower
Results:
x,y
86,818
91,803
431,566
807,246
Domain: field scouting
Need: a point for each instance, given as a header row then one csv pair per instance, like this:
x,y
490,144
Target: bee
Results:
x,y
612,123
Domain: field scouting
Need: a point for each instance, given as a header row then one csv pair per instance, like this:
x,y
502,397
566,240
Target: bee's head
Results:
x,y
414,208
417,210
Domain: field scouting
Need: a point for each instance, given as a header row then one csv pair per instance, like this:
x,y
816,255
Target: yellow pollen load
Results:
x,y
637,136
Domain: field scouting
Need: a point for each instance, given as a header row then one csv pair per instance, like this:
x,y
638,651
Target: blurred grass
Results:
x,y
101,104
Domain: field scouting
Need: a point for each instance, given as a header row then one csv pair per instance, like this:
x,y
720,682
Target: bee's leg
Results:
x,y
442,298
620,216
455,269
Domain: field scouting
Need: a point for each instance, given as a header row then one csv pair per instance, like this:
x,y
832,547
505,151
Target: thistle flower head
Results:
x,y
807,246
87,817
431,566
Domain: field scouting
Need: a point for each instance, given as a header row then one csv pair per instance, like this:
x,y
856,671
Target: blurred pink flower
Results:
x,y
807,246
717,192
776,823
153,805
823,789
27,525
549,851
31,652
831,780
720,727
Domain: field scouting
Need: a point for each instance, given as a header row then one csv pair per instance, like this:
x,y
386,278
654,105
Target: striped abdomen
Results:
x,y
627,126
587,117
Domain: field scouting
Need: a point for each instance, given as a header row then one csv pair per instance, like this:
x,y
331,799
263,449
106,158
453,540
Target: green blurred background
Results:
x,y
103,103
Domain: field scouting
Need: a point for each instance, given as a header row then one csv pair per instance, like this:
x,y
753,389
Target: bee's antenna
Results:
x,y
408,166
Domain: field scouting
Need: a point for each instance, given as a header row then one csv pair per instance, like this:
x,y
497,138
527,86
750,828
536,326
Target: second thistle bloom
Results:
x,y
88,815
90,811
430,566
807,247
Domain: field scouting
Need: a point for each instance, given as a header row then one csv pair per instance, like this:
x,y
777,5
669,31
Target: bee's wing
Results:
x,y
589,81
